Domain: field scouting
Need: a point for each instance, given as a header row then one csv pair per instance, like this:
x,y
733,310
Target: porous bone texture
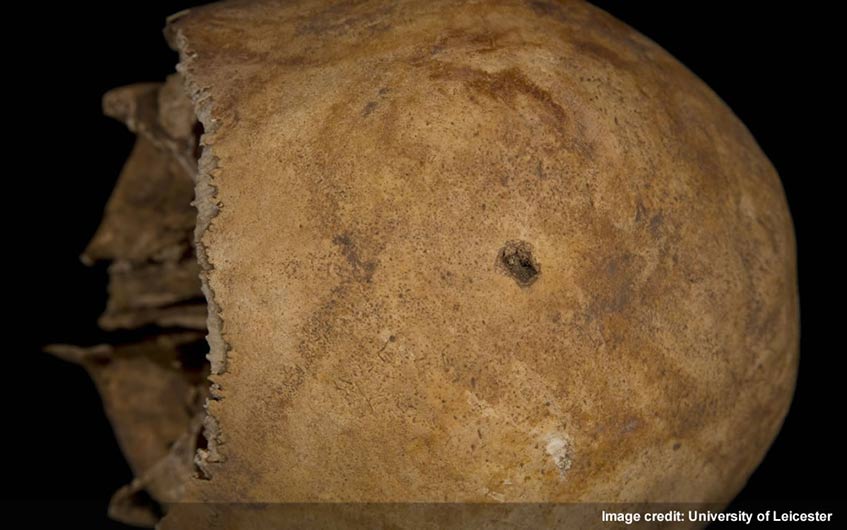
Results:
x,y
479,251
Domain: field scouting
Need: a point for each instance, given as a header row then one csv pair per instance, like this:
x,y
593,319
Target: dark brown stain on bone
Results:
x,y
369,107
601,53
549,9
363,270
344,17
503,86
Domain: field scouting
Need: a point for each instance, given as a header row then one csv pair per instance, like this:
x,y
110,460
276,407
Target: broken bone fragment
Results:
x,y
152,377
153,392
464,252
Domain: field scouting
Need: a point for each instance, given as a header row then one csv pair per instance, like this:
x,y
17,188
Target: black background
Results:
x,y
773,63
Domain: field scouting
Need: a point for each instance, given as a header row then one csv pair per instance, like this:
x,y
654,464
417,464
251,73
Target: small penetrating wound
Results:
x,y
516,260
